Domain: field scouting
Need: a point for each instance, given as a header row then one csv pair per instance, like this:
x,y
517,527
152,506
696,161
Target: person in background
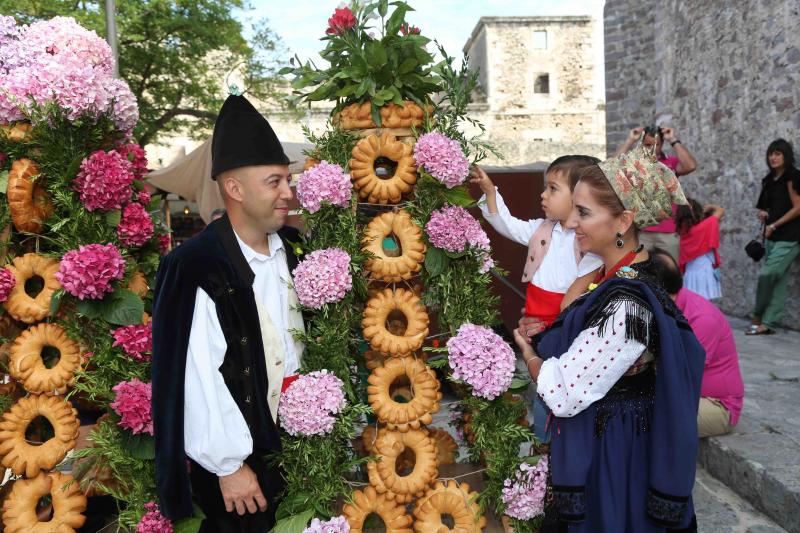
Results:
x,y
698,228
722,389
662,235
217,213
779,209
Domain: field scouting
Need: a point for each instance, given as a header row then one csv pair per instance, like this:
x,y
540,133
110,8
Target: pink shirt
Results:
x,y
722,379
666,226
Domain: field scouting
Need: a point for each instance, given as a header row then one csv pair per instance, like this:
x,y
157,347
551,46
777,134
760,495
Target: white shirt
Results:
x,y
215,433
590,367
558,271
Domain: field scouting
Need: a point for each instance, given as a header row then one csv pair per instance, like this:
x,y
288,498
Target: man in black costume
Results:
x,y
223,315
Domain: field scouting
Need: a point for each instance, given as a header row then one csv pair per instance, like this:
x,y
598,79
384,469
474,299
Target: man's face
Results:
x,y
650,140
264,194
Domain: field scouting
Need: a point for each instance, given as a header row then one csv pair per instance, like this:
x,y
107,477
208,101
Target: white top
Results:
x,y
592,365
558,269
215,433
702,278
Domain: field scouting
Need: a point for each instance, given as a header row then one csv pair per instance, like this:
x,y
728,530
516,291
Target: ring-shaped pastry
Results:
x,y
359,116
453,499
446,446
370,187
28,459
377,312
69,504
19,304
409,235
424,386
389,447
27,201
27,366
368,501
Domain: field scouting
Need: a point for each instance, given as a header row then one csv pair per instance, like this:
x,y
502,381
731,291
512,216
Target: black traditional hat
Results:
x,y
242,138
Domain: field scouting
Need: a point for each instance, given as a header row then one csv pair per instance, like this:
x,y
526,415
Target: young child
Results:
x,y
554,261
698,228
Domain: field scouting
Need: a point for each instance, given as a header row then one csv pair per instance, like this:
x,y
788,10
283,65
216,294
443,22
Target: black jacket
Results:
x,y
214,262
775,200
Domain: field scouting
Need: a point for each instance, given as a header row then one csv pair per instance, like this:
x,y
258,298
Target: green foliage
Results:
x,y
335,145
315,467
174,54
391,68
5,403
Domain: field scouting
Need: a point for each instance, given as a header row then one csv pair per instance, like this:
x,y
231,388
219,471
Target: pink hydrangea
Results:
x,y
338,524
442,158
164,240
77,89
137,156
487,263
324,182
482,359
135,227
123,109
452,228
144,198
524,495
323,277
104,181
88,271
9,36
153,521
310,404
7,283
132,404
136,340
62,40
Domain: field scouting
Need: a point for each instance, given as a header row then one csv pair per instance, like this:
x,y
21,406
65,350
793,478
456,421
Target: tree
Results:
x,y
175,55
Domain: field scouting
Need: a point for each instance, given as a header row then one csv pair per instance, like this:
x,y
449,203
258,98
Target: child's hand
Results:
x,y
523,344
530,326
478,176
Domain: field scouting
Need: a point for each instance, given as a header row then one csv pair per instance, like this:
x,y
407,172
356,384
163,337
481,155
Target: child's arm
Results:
x,y
715,210
495,212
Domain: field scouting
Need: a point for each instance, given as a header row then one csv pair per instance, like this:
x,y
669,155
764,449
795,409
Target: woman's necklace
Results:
x,y
621,265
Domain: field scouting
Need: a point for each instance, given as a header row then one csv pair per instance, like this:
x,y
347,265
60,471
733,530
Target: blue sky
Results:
x,y
300,23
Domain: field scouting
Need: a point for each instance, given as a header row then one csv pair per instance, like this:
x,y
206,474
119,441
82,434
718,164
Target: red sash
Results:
x,y
288,380
542,304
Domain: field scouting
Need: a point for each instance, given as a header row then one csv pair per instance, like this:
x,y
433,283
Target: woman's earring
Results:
x,y
620,242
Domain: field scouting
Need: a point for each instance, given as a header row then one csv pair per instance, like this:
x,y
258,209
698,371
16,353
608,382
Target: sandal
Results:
x,y
754,330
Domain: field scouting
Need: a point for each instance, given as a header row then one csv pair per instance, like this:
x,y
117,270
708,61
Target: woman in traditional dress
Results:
x,y
699,261
620,369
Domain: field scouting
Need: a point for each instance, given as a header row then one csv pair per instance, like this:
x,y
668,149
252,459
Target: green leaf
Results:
x,y
55,301
139,446
376,112
376,54
190,524
121,308
295,524
397,18
436,261
439,362
113,218
383,7
72,170
408,65
4,182
459,196
519,384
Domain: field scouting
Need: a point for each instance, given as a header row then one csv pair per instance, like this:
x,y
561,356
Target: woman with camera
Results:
x,y
778,208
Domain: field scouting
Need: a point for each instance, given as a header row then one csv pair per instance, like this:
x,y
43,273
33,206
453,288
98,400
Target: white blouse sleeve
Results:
x,y
215,433
593,364
505,224
589,263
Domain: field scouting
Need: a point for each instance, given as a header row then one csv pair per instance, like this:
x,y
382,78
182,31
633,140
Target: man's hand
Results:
x,y
762,215
669,134
241,491
479,177
635,134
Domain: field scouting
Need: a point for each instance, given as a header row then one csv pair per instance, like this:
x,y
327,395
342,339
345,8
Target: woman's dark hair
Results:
x,y
785,147
667,270
571,166
687,216
593,177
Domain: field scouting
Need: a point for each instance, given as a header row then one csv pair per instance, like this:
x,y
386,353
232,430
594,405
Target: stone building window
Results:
x,y
542,84
540,40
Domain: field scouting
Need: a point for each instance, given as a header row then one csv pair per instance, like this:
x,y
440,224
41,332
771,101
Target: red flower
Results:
x,y
405,29
341,21
435,343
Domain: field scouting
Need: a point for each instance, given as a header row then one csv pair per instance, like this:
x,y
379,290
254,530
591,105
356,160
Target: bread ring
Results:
x,y
19,131
446,446
425,388
138,284
26,363
370,187
27,201
19,304
377,314
368,501
69,504
409,235
389,446
27,459
359,116
452,499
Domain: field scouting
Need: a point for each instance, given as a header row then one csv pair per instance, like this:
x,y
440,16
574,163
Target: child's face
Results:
x,y
556,197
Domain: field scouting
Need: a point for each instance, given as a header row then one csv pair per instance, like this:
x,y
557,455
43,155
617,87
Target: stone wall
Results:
x,y
726,75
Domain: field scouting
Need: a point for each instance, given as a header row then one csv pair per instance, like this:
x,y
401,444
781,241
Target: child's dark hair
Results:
x,y
571,167
667,271
687,216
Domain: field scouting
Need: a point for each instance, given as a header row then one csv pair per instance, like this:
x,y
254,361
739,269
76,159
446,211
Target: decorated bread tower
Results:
x,y
79,247
396,283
